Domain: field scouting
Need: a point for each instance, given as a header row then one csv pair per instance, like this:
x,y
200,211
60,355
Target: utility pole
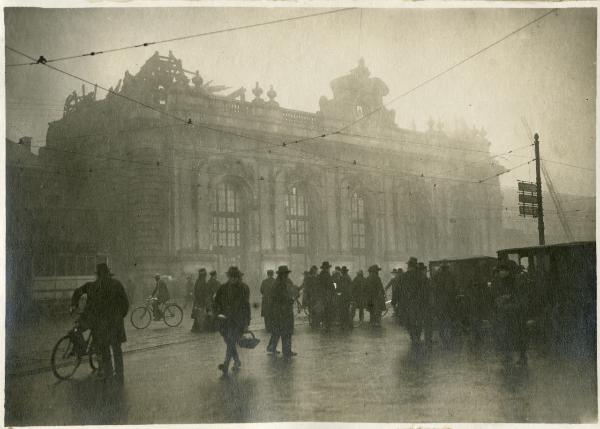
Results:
x,y
538,183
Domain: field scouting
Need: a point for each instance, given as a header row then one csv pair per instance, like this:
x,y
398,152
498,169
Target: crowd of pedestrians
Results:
x,y
421,303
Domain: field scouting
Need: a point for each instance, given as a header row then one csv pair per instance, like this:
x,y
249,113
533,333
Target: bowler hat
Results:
x,y
313,269
234,272
270,272
395,271
412,261
374,268
344,269
102,269
283,269
202,270
325,265
213,273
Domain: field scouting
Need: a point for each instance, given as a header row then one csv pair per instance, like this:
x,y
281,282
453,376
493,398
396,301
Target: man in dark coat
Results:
x,y
444,287
265,307
310,297
416,299
325,297
428,305
358,295
199,310
282,313
344,292
161,293
394,284
189,291
511,308
106,306
375,296
232,306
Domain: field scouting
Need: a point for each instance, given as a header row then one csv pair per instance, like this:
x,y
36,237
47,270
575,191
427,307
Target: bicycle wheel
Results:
x,y
173,315
140,318
65,360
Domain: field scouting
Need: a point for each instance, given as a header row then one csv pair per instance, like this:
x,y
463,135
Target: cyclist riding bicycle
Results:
x,y
161,293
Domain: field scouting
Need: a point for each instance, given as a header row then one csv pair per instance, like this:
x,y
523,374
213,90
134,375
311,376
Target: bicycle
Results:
x,y
69,351
171,314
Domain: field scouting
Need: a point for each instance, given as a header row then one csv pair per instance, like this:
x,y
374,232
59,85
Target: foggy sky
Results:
x,y
546,73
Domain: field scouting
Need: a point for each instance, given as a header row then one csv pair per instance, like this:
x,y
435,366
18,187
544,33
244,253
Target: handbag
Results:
x,y
248,340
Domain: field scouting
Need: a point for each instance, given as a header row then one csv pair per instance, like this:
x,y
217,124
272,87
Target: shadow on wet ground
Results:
x,y
367,375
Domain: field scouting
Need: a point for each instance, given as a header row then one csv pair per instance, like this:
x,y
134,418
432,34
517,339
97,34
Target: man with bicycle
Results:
x,y
105,308
161,293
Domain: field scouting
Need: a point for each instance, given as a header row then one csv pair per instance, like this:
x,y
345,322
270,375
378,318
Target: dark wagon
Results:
x,y
563,294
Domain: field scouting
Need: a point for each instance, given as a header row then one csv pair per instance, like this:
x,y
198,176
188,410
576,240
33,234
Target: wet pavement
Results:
x,y
367,375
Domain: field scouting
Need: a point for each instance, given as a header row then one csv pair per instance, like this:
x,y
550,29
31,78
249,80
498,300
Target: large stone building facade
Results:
x,y
201,179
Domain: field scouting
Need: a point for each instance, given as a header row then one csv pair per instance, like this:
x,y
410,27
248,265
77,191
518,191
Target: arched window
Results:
x,y
357,218
226,216
296,219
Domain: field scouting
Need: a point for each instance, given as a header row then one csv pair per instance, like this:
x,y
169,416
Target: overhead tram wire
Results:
x,y
353,122
180,38
301,140
507,171
431,79
187,121
569,165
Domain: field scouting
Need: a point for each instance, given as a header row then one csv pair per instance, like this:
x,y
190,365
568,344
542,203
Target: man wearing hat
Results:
x,y
428,305
510,296
325,297
344,292
106,306
232,306
212,286
265,291
445,292
282,313
359,285
375,302
161,293
394,284
199,307
416,300
310,297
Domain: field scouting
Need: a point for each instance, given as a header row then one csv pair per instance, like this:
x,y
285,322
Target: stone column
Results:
x,y
346,218
203,210
331,212
186,221
279,211
389,214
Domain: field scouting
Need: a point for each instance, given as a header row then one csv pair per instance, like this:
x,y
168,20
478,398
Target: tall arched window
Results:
x,y
226,216
357,218
296,219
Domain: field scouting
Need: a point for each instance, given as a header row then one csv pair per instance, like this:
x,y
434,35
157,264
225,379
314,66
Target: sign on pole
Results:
x,y
528,199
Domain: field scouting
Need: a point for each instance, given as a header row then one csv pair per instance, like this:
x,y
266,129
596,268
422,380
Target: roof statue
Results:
x,y
271,93
357,94
257,91
74,101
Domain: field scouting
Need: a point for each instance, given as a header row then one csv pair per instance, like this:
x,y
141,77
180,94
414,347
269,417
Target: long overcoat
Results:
x,y
282,307
233,301
106,306
375,294
265,290
358,290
